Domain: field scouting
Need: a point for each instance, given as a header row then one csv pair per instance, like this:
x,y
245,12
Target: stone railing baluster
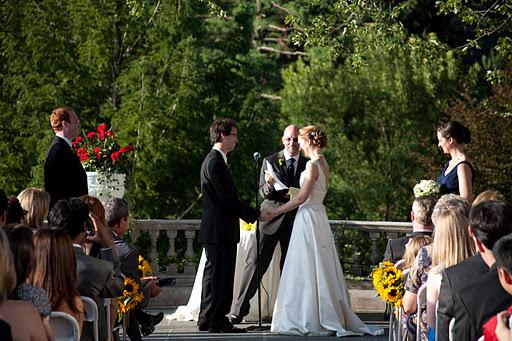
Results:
x,y
189,267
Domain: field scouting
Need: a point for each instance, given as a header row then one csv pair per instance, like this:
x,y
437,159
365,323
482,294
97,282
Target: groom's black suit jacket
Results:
x,y
64,176
221,206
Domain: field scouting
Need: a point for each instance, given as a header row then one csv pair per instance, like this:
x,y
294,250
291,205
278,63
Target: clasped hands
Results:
x,y
266,215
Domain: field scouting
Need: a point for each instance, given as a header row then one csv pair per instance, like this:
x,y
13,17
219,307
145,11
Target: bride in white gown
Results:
x,y
312,298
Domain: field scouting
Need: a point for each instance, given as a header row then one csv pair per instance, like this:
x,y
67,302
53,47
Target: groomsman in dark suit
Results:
x,y
484,297
287,165
421,217
64,176
219,230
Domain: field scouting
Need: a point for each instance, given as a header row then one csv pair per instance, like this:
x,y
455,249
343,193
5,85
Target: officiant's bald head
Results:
x,y
291,139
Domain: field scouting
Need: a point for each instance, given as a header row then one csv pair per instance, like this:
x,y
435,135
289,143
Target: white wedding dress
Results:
x,y
312,298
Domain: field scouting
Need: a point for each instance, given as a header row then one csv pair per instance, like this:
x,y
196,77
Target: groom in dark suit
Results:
x,y
64,176
219,230
287,165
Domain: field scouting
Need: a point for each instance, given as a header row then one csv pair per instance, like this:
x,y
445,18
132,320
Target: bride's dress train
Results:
x,y
312,298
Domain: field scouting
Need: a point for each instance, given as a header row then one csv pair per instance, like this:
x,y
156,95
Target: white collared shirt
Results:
x,y
222,153
61,135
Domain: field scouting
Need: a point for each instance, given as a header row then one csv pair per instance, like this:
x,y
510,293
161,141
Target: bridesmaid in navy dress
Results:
x,y
458,174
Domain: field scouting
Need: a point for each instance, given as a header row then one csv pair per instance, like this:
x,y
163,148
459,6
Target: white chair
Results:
x,y
91,314
421,300
65,327
395,324
437,320
106,307
450,329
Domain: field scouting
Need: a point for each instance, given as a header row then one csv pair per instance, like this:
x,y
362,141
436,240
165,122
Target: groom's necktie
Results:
x,y
290,169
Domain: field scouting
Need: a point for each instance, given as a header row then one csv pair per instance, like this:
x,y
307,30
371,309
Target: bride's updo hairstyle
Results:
x,y
314,135
455,130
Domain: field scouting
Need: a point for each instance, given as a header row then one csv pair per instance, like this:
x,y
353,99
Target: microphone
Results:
x,y
256,156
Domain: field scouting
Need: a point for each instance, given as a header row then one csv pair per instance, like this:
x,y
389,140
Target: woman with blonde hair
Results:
x,y
452,244
56,272
22,317
36,203
411,250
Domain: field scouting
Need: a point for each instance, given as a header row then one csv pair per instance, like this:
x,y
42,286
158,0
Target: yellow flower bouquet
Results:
x,y
247,226
131,297
388,282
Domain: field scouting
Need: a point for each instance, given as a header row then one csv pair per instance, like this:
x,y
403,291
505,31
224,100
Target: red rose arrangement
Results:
x,y
99,151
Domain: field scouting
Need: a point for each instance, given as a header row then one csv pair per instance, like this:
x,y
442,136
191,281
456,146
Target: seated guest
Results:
x,y
116,212
419,272
484,297
36,204
456,277
451,246
411,251
421,225
14,211
23,251
502,250
56,272
4,202
97,278
22,317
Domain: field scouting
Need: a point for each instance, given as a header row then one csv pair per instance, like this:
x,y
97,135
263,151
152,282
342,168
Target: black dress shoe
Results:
x,y
202,328
146,330
227,329
234,319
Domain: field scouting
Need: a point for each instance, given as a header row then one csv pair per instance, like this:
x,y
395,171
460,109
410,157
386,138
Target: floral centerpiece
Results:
x,y
388,282
426,188
99,151
131,297
105,161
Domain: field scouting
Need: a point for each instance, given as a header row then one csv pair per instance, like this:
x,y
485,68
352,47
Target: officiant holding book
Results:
x,y
280,175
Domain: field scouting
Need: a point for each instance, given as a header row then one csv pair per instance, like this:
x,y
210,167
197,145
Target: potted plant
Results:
x,y
104,160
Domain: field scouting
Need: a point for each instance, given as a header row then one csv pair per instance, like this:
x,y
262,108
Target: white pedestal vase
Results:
x,y
104,186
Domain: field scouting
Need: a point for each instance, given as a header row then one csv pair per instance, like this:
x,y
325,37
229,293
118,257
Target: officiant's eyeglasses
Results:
x,y
288,139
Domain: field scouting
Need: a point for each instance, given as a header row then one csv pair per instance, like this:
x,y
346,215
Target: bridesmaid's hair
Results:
x,y
456,130
315,135
56,267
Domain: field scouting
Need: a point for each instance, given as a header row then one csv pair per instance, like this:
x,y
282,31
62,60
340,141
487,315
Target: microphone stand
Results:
x,y
258,270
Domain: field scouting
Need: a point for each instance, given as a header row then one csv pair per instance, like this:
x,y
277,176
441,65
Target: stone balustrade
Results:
x,y
375,233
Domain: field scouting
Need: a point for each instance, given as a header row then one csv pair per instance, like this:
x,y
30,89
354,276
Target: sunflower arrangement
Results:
x,y
145,269
388,282
131,297
247,226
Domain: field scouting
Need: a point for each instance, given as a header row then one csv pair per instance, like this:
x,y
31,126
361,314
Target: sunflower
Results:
x,y
388,282
132,296
145,269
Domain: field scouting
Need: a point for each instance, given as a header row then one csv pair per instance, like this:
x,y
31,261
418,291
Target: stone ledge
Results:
x,y
362,295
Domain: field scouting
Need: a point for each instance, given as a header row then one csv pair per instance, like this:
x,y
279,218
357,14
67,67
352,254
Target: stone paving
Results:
x,y
174,330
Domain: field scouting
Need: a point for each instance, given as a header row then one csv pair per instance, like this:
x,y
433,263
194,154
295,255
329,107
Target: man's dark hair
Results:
x,y
502,251
491,220
69,215
3,202
220,126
